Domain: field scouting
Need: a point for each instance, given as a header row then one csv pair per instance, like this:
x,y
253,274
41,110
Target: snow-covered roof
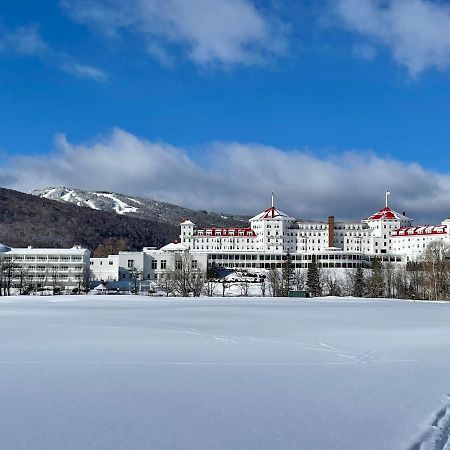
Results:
x,y
387,214
4,248
272,213
48,251
187,222
174,247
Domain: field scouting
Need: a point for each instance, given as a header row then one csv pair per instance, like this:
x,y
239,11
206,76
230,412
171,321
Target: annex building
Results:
x,y
66,268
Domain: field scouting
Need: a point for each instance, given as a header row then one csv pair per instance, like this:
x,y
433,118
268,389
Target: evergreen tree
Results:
x,y
376,280
359,283
313,279
212,272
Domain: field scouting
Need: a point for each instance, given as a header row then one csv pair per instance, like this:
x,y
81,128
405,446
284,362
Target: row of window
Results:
x,y
43,258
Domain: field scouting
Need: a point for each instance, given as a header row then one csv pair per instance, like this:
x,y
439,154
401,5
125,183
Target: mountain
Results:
x,y
131,206
29,220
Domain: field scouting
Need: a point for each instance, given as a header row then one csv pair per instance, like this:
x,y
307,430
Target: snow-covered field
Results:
x,y
105,372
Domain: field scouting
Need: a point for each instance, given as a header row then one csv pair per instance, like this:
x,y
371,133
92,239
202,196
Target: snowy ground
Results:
x,y
105,372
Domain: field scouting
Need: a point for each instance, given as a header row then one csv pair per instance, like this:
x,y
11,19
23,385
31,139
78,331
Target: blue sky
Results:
x,y
322,78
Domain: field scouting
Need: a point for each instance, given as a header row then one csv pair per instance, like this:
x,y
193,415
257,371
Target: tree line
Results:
x,y
428,279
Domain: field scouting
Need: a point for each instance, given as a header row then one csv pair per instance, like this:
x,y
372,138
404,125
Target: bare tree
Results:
x,y
299,279
166,283
244,288
333,285
225,285
263,285
389,275
2,278
274,280
436,269
8,272
401,284
210,287
54,280
22,280
187,278
416,276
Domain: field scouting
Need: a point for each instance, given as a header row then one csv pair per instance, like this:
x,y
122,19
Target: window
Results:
x,y
130,264
163,264
178,265
111,263
154,264
194,264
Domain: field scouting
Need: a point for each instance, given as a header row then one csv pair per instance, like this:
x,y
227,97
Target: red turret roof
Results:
x,y
387,214
271,213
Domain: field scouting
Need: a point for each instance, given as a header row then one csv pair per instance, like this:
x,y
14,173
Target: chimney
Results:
x,y
331,231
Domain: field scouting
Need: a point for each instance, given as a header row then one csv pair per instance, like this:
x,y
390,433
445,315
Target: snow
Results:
x,y
74,251
174,246
120,207
92,205
4,248
129,372
135,201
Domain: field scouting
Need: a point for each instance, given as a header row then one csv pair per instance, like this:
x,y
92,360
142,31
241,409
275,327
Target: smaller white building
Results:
x,y
148,264
46,267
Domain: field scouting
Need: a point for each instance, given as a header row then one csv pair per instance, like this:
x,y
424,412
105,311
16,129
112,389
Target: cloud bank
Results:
x,y
239,178
208,32
416,32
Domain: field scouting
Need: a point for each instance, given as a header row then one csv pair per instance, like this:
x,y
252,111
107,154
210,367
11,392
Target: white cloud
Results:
x,y
83,71
238,178
27,41
417,32
224,32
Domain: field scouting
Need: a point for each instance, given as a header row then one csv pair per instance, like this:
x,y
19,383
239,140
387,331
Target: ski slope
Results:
x,y
100,372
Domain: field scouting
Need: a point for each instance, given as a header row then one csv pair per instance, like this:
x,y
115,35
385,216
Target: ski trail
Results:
x,y
437,437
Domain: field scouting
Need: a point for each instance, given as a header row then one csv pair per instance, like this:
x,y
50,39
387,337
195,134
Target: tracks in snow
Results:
x,y
437,437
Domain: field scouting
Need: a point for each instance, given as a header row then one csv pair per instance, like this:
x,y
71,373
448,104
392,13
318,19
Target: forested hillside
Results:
x,y
29,220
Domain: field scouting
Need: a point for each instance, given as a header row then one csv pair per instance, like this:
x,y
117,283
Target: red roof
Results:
x,y
420,231
387,214
228,232
270,213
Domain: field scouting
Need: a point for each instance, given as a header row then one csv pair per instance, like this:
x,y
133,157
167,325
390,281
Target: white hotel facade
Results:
x,y
272,235
264,244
